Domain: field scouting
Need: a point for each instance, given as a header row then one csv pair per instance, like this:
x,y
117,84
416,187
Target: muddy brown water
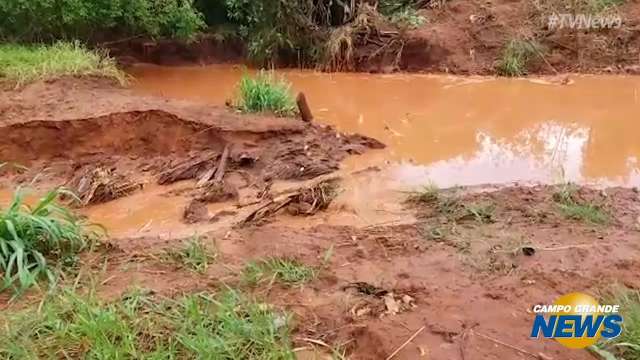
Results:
x,y
456,130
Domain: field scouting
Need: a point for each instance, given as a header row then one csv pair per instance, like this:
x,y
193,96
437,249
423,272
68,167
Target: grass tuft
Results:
x,y
481,213
265,93
287,271
32,237
22,64
516,56
569,204
428,194
139,326
194,255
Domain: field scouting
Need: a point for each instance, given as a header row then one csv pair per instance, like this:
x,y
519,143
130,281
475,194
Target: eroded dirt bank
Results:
x,y
465,264
458,37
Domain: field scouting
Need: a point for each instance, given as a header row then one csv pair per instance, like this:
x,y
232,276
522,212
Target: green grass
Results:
x,y
69,325
193,255
265,93
34,238
627,345
287,271
22,64
482,213
573,208
599,6
516,57
428,194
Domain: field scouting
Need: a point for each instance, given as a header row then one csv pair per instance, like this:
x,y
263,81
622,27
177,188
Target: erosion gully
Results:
x,y
441,129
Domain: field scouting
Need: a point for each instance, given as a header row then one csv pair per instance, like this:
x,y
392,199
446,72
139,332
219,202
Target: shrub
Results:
x,y
265,93
47,20
22,64
31,237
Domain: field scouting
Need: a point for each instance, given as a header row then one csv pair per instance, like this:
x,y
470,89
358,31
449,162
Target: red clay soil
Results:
x,y
472,289
72,123
466,279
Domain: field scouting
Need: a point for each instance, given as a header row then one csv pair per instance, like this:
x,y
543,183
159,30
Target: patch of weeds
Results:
x,y
22,64
599,6
516,57
194,255
34,239
428,194
407,18
449,205
287,271
627,345
140,326
265,93
573,208
482,213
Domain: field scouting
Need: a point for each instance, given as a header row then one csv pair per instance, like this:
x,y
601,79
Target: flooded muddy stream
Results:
x,y
454,130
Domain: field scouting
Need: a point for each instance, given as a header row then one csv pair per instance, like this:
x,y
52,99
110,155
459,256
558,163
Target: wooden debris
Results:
x,y
304,200
99,184
189,169
303,108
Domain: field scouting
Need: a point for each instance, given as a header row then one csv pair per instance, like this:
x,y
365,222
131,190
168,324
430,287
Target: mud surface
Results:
x,y
387,267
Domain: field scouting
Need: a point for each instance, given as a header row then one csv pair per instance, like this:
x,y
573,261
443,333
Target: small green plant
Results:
x,y
516,57
627,345
287,271
482,213
33,238
573,208
408,18
265,93
428,194
194,255
141,326
21,64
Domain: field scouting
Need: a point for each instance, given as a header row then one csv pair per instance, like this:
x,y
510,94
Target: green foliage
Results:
x,y
402,13
23,64
265,93
481,213
572,207
516,57
288,271
194,255
599,6
31,237
627,345
46,20
428,194
139,326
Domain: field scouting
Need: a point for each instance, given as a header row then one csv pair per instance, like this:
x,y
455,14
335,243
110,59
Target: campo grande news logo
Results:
x,y
576,321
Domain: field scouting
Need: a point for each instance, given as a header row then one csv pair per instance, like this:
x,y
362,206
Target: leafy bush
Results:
x,y
31,236
139,326
47,20
22,64
265,93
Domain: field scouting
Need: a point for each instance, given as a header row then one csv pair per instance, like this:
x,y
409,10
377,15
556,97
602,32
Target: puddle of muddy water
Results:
x,y
457,131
